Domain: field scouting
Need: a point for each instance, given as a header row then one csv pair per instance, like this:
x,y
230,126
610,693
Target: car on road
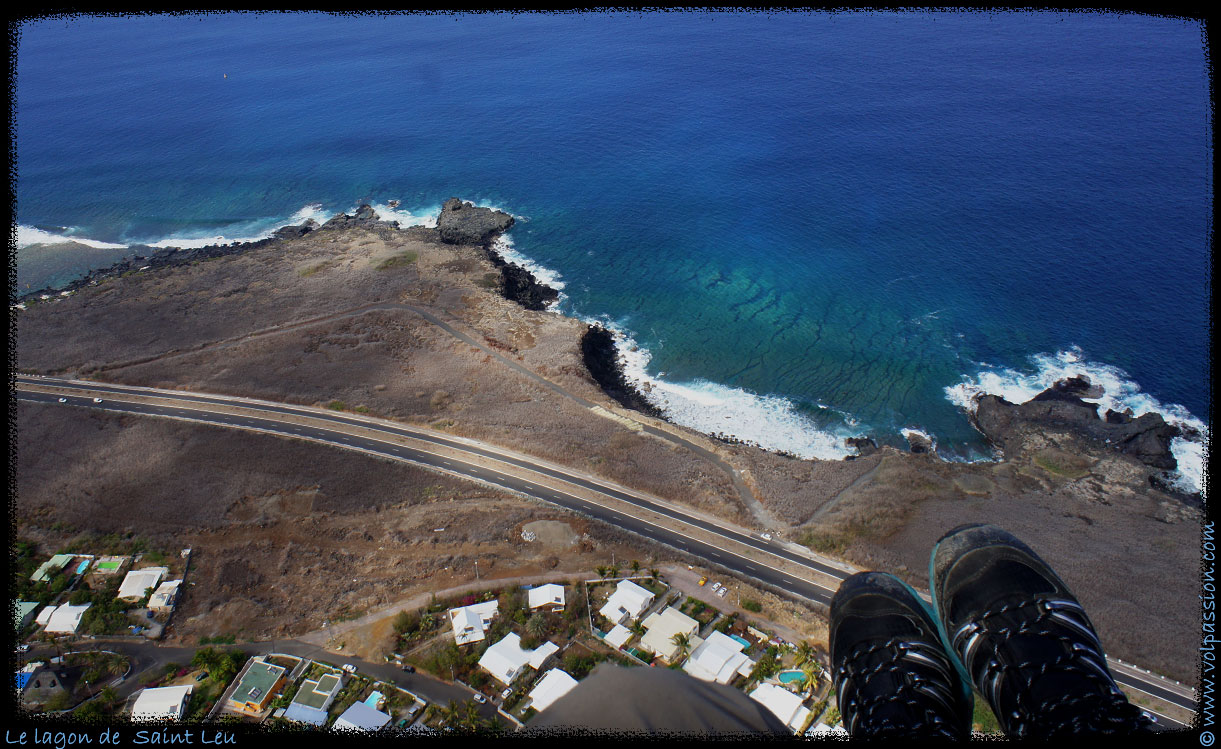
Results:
x,y
703,580
409,669
722,592
716,587
505,694
349,668
63,400
23,648
202,675
97,400
480,698
765,536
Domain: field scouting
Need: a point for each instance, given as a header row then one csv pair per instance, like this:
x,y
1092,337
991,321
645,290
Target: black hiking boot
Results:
x,y
893,677
1023,640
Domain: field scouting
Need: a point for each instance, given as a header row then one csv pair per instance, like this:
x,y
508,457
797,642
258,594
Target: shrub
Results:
x,y
750,605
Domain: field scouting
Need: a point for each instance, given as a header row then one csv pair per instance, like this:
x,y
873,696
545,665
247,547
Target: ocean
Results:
x,y
804,226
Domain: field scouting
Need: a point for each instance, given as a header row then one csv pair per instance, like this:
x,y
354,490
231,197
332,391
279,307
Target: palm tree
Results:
x,y
804,653
537,625
682,641
602,570
470,717
635,567
656,573
614,569
810,671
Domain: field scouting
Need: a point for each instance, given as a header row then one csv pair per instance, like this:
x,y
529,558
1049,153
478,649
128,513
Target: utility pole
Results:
x,y
476,569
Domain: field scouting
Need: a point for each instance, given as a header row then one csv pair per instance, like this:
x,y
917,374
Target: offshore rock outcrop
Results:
x,y
1009,426
464,223
602,360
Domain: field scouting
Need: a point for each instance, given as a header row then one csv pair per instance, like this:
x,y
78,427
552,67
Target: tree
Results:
x,y
635,567
637,628
536,625
683,642
655,573
614,569
804,653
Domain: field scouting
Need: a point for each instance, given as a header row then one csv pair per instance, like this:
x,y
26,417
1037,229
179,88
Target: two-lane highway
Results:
x,y
790,570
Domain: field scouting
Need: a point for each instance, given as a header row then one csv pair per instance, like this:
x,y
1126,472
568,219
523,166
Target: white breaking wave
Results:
x,y
503,245
28,235
907,433
426,217
769,421
243,231
1120,393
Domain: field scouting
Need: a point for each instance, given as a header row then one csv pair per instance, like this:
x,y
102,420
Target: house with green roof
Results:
x,y
256,686
25,612
313,698
50,567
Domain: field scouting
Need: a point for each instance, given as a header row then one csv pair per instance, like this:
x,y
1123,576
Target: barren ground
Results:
x,y
282,529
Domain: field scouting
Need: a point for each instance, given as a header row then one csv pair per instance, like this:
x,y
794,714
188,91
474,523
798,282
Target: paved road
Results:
x,y
149,659
762,514
338,429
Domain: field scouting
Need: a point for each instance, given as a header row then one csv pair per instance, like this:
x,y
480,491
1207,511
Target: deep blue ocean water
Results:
x,y
808,226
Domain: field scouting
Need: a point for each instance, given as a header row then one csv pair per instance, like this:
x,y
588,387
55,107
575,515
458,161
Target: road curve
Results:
x,y
333,428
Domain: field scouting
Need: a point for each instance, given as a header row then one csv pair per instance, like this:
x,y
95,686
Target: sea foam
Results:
x,y
1120,393
28,235
768,421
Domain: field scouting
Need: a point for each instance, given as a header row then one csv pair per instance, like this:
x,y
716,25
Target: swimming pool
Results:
x,y
745,643
788,677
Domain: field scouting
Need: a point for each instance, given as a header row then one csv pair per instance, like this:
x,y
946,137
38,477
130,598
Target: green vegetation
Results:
x,y
106,614
221,665
984,720
337,406
827,543
311,270
489,281
398,261
751,605
361,409
1062,464
218,640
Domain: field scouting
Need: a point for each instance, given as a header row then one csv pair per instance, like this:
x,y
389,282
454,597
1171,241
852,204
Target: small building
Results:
x,y
162,702
470,623
506,660
554,685
313,698
166,595
39,683
50,567
540,654
137,582
719,658
66,618
549,597
25,612
361,717
661,628
254,691
628,602
618,636
783,704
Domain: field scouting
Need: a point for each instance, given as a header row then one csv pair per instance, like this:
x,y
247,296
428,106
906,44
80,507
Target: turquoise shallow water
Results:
x,y
808,226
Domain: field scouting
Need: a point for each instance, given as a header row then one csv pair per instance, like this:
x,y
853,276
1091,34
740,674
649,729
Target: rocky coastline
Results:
x,y
1058,415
